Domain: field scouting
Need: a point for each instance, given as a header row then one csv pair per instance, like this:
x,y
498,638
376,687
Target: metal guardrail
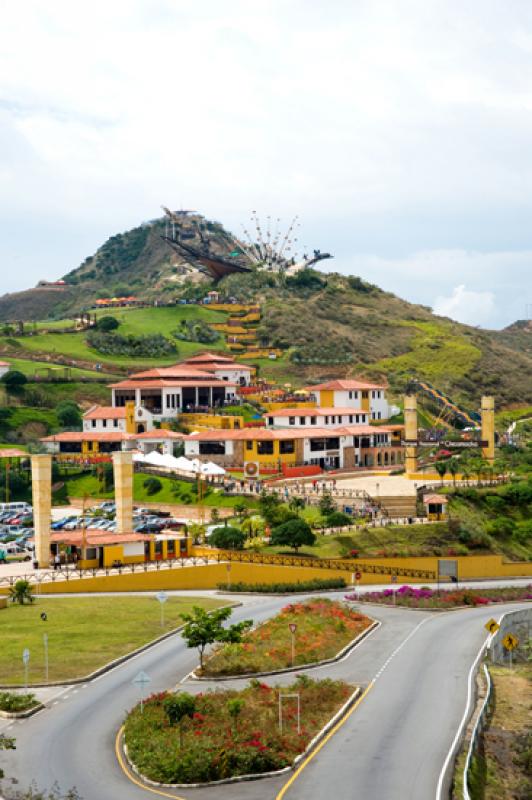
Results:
x,y
476,733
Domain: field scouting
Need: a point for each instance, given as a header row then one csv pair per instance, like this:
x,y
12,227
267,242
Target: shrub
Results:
x,y
196,331
338,519
14,379
294,533
149,346
152,486
227,538
107,324
318,584
68,414
14,703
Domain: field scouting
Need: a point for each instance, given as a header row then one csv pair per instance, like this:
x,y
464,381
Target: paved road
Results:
x,y
393,746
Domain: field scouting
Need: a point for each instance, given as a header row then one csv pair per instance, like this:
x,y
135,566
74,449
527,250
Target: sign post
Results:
x,y
162,597
509,643
141,680
26,661
228,571
293,629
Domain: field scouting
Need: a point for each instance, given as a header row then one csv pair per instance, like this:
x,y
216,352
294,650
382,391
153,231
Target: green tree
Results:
x,y
203,628
152,486
227,538
14,380
296,503
107,323
234,707
327,504
68,414
453,467
177,707
294,533
21,592
338,519
441,469
241,509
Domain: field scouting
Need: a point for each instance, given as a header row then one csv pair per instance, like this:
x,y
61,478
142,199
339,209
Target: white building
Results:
x,y
222,367
351,393
5,366
104,418
320,417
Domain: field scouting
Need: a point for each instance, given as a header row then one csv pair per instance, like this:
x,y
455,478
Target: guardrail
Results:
x,y
478,729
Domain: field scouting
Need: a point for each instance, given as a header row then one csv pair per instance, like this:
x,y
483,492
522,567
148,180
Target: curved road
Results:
x,y
392,747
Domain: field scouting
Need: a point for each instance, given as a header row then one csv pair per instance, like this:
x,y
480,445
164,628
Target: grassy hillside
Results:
x,y
327,325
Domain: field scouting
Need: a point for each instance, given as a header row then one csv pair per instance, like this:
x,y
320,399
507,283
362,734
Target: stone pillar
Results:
x,y
41,486
487,412
410,433
123,475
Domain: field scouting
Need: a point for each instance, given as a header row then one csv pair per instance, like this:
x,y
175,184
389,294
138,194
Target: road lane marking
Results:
x,y
127,773
323,742
344,719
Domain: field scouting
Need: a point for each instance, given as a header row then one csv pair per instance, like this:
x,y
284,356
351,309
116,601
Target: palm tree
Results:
x,y
441,469
21,592
453,466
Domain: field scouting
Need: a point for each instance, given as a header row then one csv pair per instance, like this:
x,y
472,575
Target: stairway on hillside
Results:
x,y
399,505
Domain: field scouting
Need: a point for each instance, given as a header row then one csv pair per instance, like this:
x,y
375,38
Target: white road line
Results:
x,y
463,721
400,647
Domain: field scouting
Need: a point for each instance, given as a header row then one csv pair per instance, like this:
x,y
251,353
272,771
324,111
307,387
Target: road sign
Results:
x,y
394,578
510,642
142,679
162,597
358,575
293,627
25,656
492,626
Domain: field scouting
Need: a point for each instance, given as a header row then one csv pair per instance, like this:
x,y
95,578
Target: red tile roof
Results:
x,y
176,371
434,499
93,538
105,412
159,433
162,383
269,434
90,436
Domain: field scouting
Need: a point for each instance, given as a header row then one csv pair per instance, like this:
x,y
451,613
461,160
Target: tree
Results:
x,y
268,504
152,486
296,503
21,592
241,509
294,533
227,538
453,467
177,707
107,323
14,380
203,628
68,414
338,519
234,707
327,504
441,469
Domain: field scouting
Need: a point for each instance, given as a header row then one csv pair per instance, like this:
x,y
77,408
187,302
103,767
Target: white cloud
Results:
x,y
399,130
474,308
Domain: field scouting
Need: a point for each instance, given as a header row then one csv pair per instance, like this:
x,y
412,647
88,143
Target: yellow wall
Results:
x,y
271,459
130,417
288,404
365,402
208,576
220,421
326,398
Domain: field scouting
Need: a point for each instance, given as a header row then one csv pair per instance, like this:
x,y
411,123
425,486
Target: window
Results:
x,y
326,420
291,420
265,448
170,547
167,401
212,448
329,443
313,420
115,423
302,420
91,553
378,414
93,423
287,446
351,418
270,420
249,445
350,395
104,423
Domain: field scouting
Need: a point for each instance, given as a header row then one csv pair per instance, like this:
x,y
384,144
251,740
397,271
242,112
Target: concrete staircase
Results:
x,y
398,506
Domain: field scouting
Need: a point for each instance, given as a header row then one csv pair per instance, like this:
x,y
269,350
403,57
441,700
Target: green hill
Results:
x,y
326,325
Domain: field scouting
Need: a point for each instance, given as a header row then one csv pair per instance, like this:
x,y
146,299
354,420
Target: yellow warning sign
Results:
x,y
510,641
492,626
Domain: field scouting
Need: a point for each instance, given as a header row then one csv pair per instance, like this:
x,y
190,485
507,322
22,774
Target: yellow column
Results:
x,y
41,487
130,417
411,433
487,411
123,475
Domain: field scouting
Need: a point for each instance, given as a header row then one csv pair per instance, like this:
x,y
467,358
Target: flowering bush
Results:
x,y
323,628
445,598
214,747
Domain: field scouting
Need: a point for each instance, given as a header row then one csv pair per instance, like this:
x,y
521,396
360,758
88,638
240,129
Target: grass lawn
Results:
x,y
508,739
29,367
147,320
87,484
214,744
83,633
324,627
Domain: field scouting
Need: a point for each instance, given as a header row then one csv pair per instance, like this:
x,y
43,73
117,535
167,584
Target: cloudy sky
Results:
x,y
400,132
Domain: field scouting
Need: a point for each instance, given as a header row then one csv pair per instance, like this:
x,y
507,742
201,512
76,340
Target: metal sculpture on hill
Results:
x,y
272,252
